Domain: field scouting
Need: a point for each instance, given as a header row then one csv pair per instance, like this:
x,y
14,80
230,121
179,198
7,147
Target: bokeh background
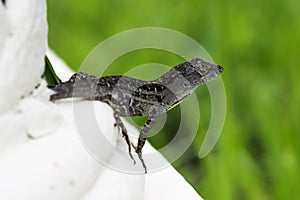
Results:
x,y
257,42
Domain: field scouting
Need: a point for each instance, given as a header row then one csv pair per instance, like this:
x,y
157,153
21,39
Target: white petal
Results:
x,y
23,45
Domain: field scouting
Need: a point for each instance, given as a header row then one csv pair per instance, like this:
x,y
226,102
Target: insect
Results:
x,y
132,97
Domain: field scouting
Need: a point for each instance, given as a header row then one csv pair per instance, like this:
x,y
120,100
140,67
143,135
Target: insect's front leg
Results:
x,y
120,124
143,137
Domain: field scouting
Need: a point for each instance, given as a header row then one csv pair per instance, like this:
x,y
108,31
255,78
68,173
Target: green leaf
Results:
x,y
49,74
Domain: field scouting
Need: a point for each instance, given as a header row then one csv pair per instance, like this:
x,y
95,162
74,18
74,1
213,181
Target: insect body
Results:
x,y
131,97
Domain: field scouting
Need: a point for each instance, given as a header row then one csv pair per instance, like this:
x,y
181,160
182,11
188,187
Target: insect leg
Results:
x,y
143,137
120,124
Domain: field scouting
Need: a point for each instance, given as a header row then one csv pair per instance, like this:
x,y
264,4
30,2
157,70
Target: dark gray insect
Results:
x,y
131,97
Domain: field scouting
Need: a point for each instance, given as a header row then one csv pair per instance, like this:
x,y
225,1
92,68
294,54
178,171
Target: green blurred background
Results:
x,y
257,42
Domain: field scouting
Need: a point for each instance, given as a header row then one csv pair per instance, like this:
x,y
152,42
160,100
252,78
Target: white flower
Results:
x,y
41,156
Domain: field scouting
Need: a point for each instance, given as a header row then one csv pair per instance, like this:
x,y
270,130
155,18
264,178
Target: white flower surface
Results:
x,y
23,33
41,156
